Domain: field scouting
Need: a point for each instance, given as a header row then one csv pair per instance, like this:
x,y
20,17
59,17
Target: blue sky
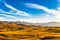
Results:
x,y
30,10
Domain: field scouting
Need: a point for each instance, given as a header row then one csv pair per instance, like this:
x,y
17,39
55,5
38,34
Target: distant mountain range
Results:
x,y
50,24
36,24
44,24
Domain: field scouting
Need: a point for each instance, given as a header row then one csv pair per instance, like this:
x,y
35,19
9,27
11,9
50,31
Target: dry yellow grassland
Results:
x,y
9,31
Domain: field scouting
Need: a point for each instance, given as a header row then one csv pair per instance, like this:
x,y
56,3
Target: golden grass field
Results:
x,y
9,31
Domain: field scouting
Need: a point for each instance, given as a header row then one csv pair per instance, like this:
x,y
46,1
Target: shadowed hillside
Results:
x,y
22,31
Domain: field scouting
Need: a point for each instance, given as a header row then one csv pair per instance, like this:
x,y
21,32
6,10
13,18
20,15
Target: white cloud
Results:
x,y
35,20
4,13
1,18
36,6
19,12
9,16
56,13
4,16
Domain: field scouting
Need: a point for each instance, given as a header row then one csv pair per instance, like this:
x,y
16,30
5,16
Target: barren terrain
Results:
x,y
15,31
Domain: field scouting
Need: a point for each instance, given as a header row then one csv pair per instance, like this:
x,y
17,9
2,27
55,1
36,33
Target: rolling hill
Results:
x,y
29,31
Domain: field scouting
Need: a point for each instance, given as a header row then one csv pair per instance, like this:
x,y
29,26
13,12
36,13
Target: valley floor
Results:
x,y
41,33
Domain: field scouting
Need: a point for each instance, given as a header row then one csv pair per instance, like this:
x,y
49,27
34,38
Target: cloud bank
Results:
x,y
54,12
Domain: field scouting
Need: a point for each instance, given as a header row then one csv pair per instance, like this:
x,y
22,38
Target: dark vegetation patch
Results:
x,y
3,35
48,38
53,30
